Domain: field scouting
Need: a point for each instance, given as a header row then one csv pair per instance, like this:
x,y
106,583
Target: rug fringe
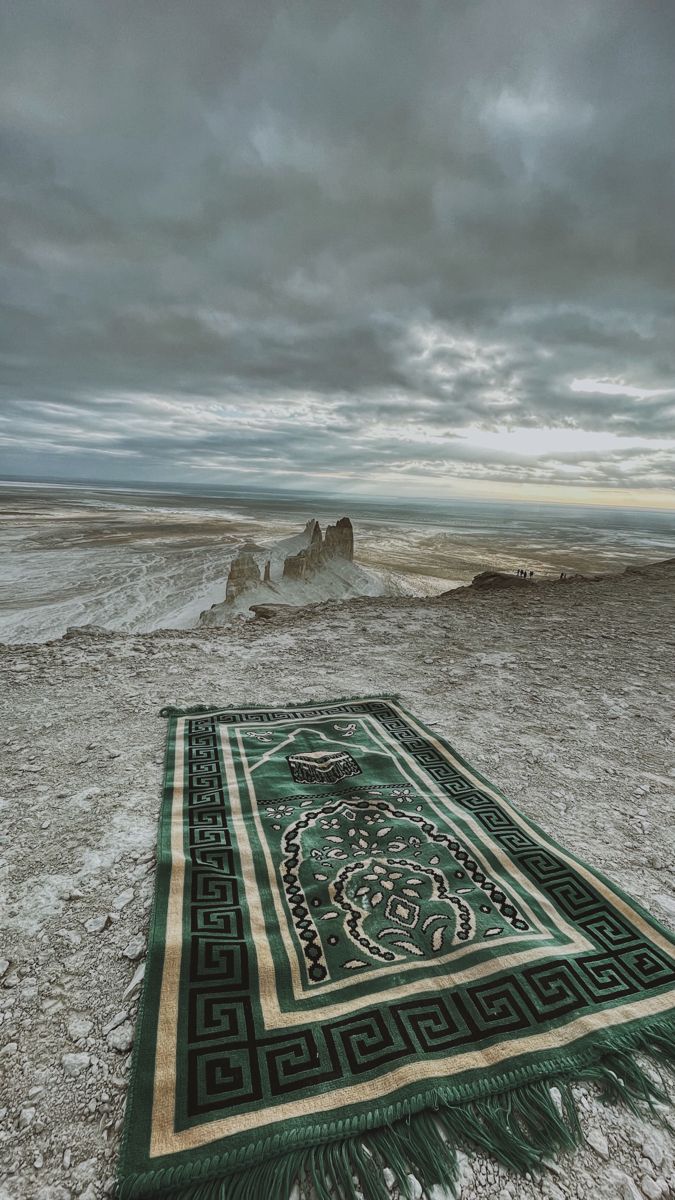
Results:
x,y
193,710
521,1125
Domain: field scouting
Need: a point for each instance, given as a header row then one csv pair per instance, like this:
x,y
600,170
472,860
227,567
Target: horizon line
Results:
x,y
164,487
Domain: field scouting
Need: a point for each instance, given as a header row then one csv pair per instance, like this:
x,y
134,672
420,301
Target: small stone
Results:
x,y
67,1155
38,1161
652,1148
552,1191
122,1038
599,1143
123,899
26,1117
666,902
4,965
135,947
651,1187
415,1188
75,1064
9,1049
53,1191
70,936
115,1021
135,982
97,924
626,1189
84,1173
79,1027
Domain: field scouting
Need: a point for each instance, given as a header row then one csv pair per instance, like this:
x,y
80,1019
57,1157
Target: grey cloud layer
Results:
x,y
231,229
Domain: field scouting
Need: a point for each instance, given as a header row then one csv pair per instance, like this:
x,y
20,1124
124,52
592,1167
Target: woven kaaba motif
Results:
x,y
322,766
352,930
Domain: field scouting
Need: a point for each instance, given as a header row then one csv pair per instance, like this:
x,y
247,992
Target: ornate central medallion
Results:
x,y
369,884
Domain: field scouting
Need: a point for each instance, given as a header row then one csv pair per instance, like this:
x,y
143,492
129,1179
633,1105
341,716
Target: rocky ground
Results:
x,y
562,694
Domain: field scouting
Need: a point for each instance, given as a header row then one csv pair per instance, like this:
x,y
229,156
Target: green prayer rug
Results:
x,y
361,957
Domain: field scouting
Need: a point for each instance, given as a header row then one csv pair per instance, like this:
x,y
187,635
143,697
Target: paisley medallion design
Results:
x,y
370,884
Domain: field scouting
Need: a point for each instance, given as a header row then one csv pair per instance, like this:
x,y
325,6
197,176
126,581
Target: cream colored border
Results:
x,y
164,1085
164,1139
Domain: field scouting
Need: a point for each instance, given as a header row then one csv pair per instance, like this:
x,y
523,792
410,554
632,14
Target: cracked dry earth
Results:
x,y
562,694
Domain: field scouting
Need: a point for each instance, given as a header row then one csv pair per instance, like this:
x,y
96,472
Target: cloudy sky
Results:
x,y
408,249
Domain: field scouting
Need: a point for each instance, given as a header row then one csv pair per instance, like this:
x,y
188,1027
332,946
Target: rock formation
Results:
x,y
295,566
339,540
244,574
338,543
303,564
494,580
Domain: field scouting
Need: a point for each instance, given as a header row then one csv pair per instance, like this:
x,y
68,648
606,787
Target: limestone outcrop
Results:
x,y
244,574
339,540
338,543
317,552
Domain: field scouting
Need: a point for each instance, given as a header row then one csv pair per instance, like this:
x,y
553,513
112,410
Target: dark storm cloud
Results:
x,y
337,239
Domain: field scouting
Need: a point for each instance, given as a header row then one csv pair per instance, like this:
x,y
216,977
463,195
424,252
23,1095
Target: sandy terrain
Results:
x,y
563,694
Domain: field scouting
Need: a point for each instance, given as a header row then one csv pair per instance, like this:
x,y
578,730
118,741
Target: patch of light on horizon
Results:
x,y
614,387
554,441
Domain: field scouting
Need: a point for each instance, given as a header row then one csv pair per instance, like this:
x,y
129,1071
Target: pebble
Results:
x,y
135,982
115,1021
85,1172
97,924
666,902
652,1187
123,899
4,964
626,1189
75,1064
598,1142
652,1148
552,1191
53,1191
9,1049
79,1027
135,947
26,1117
70,936
121,1038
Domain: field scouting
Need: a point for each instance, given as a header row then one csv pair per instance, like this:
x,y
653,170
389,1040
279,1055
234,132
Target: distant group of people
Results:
x,y
563,574
523,574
